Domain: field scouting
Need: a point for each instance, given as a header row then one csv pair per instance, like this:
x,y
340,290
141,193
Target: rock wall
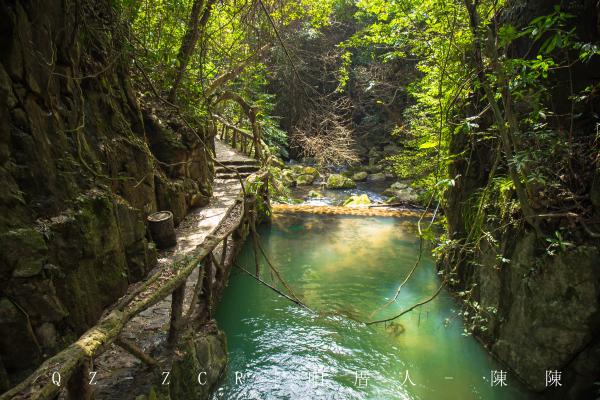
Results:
x,y
82,164
537,311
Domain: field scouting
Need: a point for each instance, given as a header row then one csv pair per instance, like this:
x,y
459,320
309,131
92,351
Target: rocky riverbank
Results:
x,y
357,186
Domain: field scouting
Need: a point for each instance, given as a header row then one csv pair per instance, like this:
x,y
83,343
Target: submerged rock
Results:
x,y
361,200
336,181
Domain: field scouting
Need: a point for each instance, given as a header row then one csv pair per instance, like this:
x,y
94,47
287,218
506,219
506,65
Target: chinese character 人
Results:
x,y
407,378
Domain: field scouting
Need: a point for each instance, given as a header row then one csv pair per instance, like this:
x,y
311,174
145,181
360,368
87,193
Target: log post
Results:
x,y
219,271
176,309
207,292
162,229
78,387
224,251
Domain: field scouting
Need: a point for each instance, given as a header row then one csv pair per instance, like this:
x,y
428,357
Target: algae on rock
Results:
x,y
337,181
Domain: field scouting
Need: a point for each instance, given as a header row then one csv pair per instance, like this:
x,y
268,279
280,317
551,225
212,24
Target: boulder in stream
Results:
x,y
305,180
377,177
337,181
360,176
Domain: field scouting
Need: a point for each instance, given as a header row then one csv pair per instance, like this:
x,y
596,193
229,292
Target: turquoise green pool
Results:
x,y
346,267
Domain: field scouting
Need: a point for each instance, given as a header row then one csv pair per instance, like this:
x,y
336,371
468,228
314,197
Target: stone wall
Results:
x,y
81,164
539,311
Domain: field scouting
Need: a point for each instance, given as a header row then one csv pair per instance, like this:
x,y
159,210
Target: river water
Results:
x,y
344,268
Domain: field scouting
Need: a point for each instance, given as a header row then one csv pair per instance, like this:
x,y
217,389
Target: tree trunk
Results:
x,y
194,26
506,127
162,229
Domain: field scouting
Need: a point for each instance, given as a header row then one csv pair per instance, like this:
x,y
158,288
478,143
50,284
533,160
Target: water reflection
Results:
x,y
346,267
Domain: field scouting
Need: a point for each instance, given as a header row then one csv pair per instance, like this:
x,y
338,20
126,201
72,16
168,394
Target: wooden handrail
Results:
x,y
40,385
241,131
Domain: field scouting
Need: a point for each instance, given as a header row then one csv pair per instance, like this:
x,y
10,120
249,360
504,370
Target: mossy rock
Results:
x,y
287,178
361,200
276,162
305,180
310,171
399,185
337,181
297,169
377,177
406,195
371,169
24,252
359,176
315,194
201,353
18,344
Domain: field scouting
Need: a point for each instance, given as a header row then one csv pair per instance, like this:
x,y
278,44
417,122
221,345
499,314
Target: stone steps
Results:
x,y
244,167
238,168
241,162
243,175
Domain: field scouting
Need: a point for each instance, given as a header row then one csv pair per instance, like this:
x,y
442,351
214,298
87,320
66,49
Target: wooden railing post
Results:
x,y
224,251
207,293
176,309
78,386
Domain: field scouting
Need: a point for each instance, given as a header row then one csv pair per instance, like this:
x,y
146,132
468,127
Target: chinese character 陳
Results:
x,y
553,378
361,379
407,378
498,378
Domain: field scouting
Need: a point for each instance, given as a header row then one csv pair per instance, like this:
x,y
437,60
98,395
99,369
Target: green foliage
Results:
x,y
557,243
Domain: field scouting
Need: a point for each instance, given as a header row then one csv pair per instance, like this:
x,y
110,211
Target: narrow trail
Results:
x,y
120,373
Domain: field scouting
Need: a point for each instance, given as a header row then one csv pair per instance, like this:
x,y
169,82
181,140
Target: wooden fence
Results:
x,y
240,139
69,367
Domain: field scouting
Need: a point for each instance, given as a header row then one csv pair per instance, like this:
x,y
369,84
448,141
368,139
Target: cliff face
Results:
x,y
81,165
537,310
